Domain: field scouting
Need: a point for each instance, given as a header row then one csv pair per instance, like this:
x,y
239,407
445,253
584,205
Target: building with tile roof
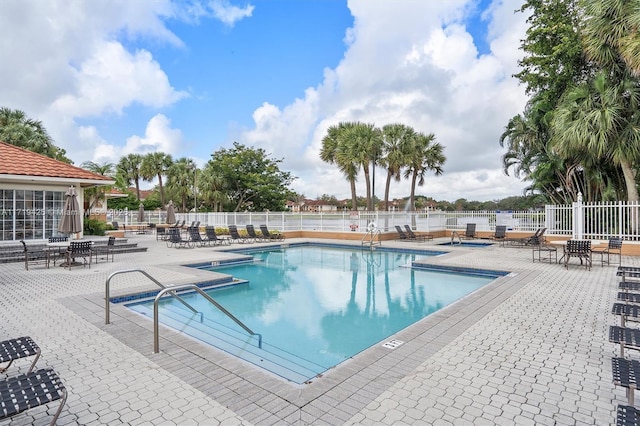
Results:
x,y
32,192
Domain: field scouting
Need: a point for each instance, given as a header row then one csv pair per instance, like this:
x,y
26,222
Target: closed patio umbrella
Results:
x,y
141,213
71,222
171,213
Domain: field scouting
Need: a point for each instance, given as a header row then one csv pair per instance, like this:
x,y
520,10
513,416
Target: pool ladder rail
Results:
x,y
372,236
171,290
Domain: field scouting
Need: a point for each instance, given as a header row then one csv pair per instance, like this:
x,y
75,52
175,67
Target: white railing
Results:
x,y
578,220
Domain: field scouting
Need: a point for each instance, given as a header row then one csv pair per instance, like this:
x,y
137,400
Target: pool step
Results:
x,y
237,342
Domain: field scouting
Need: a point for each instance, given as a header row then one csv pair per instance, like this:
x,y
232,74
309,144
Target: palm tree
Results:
x,y
97,192
600,120
426,155
362,145
129,170
396,143
333,146
19,130
611,34
181,179
212,187
156,164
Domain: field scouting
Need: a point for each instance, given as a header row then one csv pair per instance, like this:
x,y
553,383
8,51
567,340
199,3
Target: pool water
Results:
x,y
315,306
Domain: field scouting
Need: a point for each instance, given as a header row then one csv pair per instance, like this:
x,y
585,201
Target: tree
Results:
x,y
212,186
611,34
396,144
426,155
128,169
332,152
156,164
363,144
19,130
253,181
97,192
181,180
600,120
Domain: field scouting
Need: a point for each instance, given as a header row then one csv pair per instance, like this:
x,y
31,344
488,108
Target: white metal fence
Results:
x,y
578,220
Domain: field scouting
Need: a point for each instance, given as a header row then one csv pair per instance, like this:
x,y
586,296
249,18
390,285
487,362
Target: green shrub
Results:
x,y
94,227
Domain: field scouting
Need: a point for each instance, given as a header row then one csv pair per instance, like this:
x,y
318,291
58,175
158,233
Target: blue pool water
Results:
x,y
316,306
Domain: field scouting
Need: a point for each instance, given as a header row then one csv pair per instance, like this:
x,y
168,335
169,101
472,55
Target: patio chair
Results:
x,y
79,250
500,233
401,234
105,250
195,237
251,232
115,225
470,232
175,239
418,237
34,254
536,238
30,390
614,247
580,249
161,233
627,415
56,253
21,347
266,235
235,235
212,238
626,373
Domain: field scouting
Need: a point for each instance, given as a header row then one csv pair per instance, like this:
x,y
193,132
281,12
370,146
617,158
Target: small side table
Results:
x,y
545,253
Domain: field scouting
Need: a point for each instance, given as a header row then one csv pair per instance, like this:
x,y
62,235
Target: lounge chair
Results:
x,y
34,254
470,232
614,247
21,347
500,233
251,232
235,235
401,234
580,249
105,250
419,237
213,238
266,235
175,239
79,249
536,238
30,390
161,233
195,237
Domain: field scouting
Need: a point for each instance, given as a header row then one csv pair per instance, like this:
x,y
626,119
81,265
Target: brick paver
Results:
x,y
530,348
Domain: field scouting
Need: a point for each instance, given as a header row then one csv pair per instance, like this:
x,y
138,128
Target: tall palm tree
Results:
x,y
129,170
333,145
600,119
156,164
96,193
362,145
426,155
181,179
611,34
396,145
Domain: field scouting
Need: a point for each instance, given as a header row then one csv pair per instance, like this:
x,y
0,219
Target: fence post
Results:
x,y
578,218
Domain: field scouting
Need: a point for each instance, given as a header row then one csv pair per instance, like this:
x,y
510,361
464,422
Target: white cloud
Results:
x,y
158,136
425,72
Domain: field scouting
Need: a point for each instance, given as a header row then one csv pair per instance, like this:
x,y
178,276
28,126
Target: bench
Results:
x,y
21,347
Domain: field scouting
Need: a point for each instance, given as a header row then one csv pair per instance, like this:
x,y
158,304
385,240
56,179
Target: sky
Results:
x,y
188,77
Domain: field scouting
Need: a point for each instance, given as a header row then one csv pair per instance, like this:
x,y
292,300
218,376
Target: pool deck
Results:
x,y
530,348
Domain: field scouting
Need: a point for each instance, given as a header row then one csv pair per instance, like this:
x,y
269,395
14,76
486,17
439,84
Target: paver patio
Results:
x,y
531,348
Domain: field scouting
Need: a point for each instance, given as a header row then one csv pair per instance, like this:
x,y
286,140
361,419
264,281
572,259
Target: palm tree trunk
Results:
x,y
354,198
630,180
386,192
367,181
161,190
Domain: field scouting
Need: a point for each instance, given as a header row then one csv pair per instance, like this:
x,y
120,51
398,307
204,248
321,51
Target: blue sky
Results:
x,y
111,77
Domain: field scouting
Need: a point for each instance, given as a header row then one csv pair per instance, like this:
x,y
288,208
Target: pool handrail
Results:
x,y
126,271
156,338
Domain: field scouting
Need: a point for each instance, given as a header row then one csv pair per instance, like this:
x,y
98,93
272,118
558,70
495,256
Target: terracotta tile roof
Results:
x,y
22,162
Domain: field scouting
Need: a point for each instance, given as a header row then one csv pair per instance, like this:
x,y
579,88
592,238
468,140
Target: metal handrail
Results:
x,y
156,339
372,234
455,234
126,271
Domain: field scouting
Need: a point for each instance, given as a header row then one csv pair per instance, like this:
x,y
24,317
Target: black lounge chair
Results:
x,y
175,239
79,250
418,237
34,254
536,238
195,237
401,234
30,390
626,373
627,416
105,250
21,347
580,249
266,235
614,247
212,238
235,235
251,232
470,232
500,233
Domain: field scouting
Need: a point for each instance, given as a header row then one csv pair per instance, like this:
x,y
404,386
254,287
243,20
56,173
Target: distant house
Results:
x,y
32,192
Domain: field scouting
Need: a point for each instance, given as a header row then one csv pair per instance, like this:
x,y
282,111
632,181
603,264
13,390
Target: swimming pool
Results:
x,y
317,306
